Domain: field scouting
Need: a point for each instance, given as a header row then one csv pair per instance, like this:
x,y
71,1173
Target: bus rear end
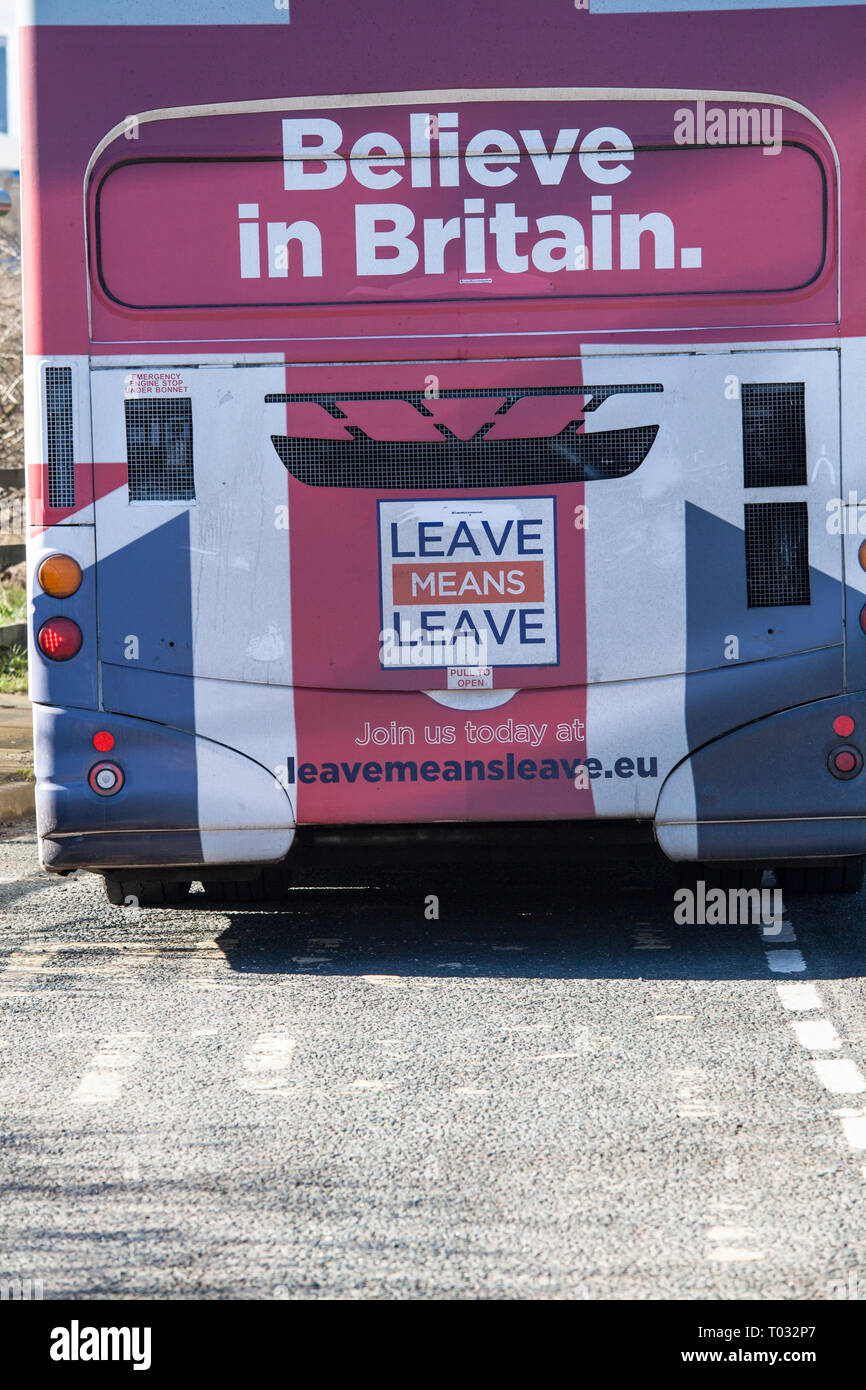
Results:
x,y
439,454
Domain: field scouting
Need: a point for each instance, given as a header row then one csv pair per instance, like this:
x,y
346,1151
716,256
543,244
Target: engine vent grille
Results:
x,y
566,456
570,457
159,450
59,436
774,434
777,554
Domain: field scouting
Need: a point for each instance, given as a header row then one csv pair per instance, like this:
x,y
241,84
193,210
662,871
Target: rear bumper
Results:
x,y
763,792
185,800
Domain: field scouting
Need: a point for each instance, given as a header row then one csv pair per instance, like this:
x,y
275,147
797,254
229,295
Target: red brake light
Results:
x,y
103,742
843,726
59,639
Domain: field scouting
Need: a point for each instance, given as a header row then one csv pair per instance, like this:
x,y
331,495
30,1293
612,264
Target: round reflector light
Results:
x,y
105,779
861,555
103,742
844,726
59,576
59,639
845,763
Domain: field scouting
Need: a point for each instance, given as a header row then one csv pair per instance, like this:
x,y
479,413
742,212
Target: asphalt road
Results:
x,y
552,1091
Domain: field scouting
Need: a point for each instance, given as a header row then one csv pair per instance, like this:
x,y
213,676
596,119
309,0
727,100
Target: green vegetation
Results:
x,y
13,604
13,671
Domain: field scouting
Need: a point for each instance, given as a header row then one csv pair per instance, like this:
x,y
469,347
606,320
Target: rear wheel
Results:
x,y
137,892
724,875
271,885
841,876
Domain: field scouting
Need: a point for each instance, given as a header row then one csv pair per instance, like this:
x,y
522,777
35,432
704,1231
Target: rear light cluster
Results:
x,y
861,556
847,761
59,638
104,778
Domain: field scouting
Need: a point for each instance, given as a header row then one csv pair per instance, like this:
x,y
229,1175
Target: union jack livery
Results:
x,y
456,419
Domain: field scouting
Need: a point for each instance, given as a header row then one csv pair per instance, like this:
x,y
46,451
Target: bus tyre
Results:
x,y
135,892
843,876
725,876
271,885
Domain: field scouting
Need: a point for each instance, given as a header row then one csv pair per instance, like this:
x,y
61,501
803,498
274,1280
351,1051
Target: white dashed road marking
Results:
x,y
649,941
854,1129
692,1093
800,996
733,1254
103,1080
840,1075
785,962
267,1061
777,932
818,1034
26,962
728,1253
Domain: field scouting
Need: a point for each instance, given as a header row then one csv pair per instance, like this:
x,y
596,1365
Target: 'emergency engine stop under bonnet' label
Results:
x,y
468,582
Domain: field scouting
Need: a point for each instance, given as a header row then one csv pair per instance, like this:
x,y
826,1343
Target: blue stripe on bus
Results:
x,y
721,700
154,695
773,766
145,592
721,695
717,603
186,12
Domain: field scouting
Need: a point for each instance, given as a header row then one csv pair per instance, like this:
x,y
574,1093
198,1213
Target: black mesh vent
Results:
x,y
569,457
58,434
774,434
594,396
777,554
159,450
